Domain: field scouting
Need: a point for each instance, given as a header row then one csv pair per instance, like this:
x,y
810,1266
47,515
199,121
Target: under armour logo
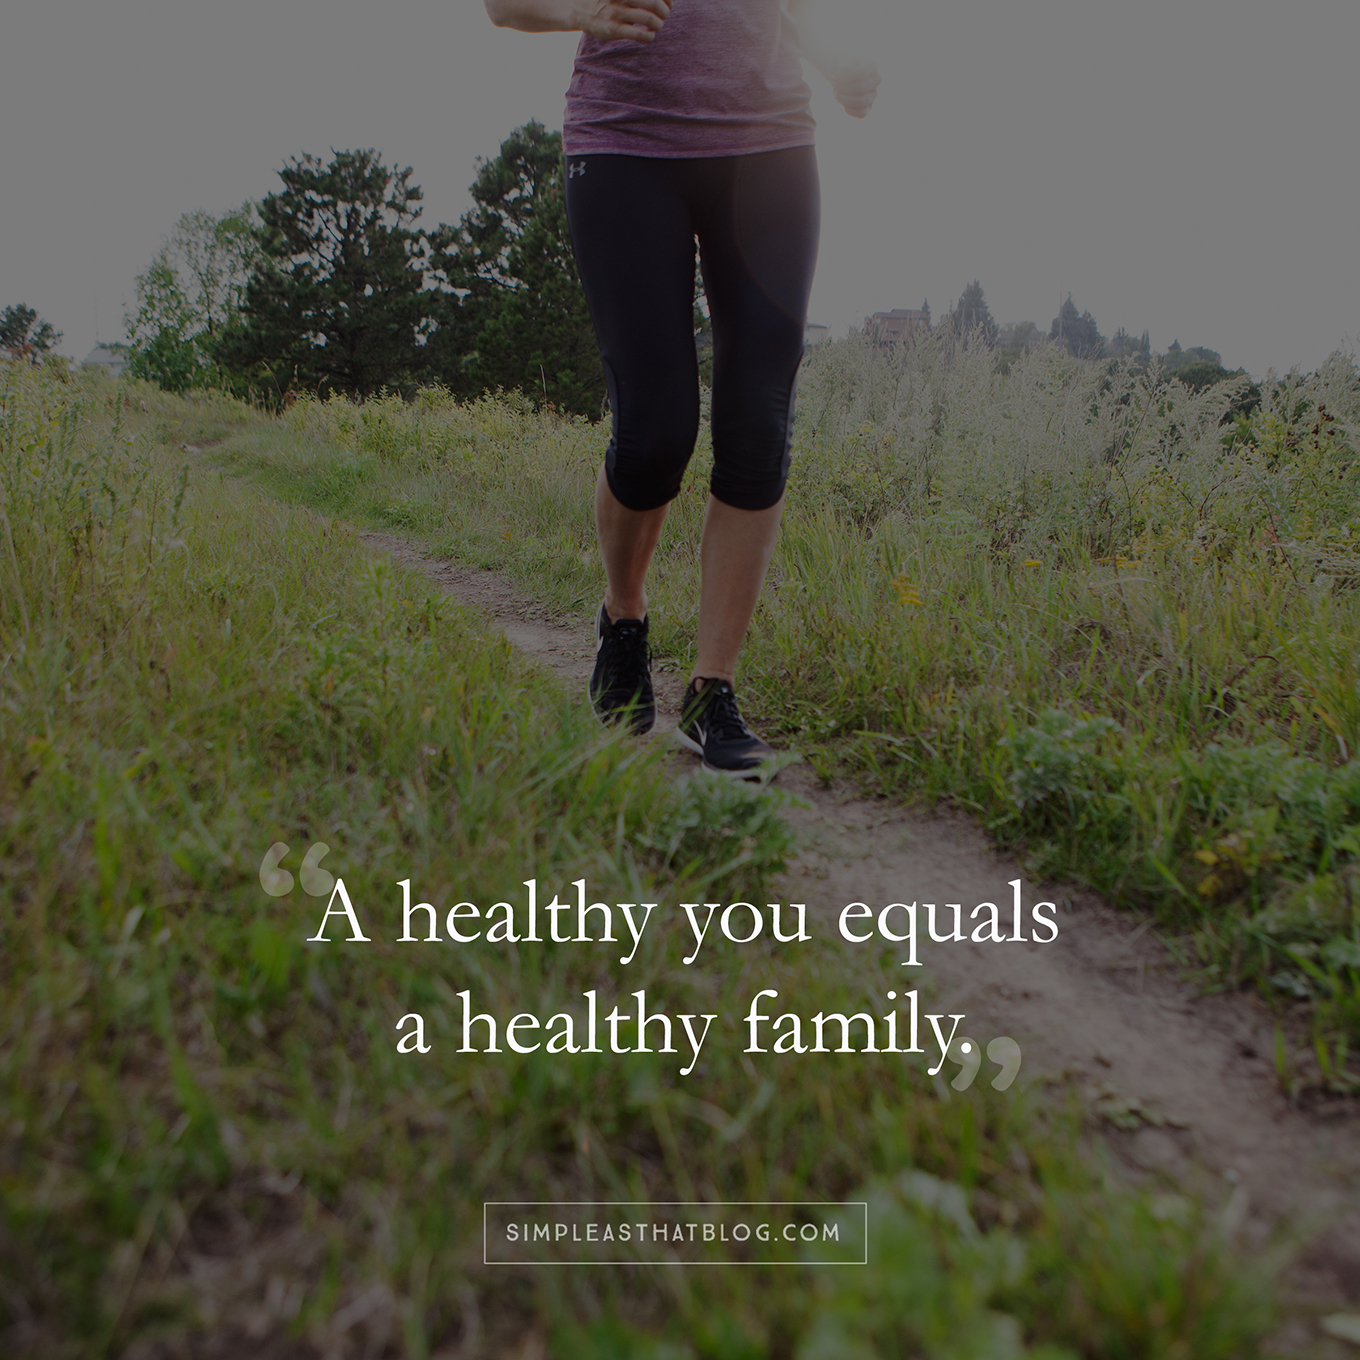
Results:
x,y
578,169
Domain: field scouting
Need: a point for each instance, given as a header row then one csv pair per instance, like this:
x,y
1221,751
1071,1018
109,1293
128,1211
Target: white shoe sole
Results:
x,y
755,771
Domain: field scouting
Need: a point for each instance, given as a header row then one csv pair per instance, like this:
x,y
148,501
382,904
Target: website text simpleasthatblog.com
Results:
x,y
597,1232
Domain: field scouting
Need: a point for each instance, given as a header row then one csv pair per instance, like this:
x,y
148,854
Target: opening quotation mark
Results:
x,y
278,882
1004,1052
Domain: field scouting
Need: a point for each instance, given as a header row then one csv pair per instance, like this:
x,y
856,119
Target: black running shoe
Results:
x,y
711,726
620,687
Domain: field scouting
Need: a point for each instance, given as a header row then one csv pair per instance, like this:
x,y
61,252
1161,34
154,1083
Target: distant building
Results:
x,y
815,334
111,357
889,328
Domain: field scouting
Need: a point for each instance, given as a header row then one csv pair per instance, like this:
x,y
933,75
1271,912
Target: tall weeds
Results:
x,y
1113,616
208,1140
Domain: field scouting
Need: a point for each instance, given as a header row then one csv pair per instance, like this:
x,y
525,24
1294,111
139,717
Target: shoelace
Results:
x,y
627,654
724,718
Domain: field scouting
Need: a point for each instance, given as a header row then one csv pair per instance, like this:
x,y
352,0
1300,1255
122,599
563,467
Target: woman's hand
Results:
x,y
855,83
854,80
609,20
636,20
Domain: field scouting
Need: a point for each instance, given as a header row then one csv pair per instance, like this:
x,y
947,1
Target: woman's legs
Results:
x,y
633,236
632,233
758,242
735,554
633,225
627,541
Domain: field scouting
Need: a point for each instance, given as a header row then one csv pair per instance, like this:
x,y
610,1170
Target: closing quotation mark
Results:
x,y
278,882
1004,1052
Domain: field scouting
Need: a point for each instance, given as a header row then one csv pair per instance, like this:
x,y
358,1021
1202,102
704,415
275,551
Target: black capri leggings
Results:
x,y
634,220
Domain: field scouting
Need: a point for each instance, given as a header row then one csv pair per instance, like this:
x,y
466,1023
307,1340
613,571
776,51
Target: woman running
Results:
x,y
685,120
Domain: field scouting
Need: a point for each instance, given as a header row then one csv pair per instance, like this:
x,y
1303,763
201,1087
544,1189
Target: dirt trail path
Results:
x,y
1187,1081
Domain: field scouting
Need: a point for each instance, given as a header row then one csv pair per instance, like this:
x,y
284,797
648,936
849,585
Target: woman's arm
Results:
x,y
608,20
854,80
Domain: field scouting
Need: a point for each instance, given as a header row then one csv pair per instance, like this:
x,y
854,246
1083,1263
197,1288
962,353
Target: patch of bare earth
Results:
x,y
1184,1084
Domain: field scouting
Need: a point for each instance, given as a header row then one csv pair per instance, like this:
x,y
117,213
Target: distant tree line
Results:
x,y
1078,333
331,284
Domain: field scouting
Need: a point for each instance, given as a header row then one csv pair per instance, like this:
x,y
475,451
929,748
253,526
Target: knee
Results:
x,y
752,441
647,459
753,482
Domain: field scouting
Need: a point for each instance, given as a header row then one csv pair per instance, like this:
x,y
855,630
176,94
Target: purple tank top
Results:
x,y
722,78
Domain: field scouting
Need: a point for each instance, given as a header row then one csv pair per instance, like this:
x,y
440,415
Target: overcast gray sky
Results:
x,y
1189,167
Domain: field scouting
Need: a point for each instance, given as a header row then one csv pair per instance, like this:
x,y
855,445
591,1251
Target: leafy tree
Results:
x,y
191,297
515,314
1197,367
24,334
1016,339
1077,332
1177,358
336,299
973,317
1197,375
1125,346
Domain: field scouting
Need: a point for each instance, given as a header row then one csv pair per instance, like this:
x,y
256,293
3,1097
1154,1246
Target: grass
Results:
x,y
208,1140
1113,618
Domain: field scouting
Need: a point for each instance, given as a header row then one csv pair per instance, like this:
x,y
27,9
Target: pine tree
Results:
x,y
516,314
1077,332
973,318
337,300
